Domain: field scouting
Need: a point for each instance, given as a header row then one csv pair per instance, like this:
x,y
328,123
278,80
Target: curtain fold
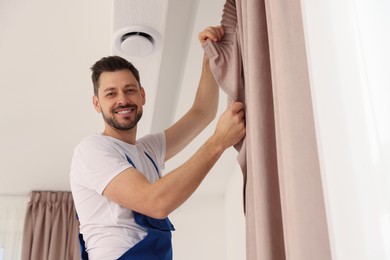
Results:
x,y
51,227
306,233
261,61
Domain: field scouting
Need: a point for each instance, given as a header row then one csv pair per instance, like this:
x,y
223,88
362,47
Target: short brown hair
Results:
x,y
111,64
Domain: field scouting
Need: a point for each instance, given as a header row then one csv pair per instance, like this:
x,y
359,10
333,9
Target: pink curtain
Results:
x,y
51,227
261,61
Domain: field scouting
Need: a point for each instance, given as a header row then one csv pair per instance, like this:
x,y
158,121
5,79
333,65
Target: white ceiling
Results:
x,y
46,50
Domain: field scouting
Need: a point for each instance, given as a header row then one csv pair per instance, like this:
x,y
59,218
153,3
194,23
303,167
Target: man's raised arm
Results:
x,y
205,105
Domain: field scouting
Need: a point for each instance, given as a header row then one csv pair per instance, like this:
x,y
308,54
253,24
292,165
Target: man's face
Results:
x,y
120,99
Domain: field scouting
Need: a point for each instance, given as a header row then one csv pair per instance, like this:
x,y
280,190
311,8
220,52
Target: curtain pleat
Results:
x,y
51,227
261,61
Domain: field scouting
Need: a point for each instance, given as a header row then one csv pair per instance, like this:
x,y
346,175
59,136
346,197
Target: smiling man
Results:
x,y
120,97
121,198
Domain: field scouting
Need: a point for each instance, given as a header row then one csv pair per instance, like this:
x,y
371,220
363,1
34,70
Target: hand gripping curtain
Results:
x,y
51,227
261,61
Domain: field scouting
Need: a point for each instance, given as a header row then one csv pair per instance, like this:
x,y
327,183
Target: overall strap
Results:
x,y
83,248
165,224
130,161
150,158
154,164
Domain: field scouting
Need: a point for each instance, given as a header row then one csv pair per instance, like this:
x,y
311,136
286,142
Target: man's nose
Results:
x,y
121,99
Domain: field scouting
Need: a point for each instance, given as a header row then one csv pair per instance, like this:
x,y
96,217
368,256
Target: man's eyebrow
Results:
x,y
131,85
109,89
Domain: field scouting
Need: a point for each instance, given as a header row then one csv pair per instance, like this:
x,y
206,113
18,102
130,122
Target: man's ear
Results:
x,y
96,104
143,95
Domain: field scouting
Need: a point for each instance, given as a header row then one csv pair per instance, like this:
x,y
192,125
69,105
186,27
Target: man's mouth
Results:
x,y
124,111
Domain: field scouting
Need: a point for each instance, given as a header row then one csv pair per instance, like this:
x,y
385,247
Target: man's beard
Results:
x,y
130,124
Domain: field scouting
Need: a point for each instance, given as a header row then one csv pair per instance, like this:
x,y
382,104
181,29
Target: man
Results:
x,y
121,199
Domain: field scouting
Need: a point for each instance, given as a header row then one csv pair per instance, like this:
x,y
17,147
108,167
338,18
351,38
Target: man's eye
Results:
x,y
110,94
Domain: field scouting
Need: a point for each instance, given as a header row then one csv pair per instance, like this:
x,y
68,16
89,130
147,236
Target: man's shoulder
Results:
x,y
155,146
151,138
94,141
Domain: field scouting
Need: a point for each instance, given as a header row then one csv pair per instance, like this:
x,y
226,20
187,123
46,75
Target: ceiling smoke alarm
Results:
x,y
136,41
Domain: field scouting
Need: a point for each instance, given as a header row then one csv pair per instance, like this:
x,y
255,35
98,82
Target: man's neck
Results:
x,y
128,136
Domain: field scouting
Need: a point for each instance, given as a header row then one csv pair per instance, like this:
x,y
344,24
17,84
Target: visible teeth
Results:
x,y
124,111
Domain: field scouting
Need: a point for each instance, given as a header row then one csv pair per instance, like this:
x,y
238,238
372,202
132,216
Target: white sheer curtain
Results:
x,y
373,28
349,59
12,214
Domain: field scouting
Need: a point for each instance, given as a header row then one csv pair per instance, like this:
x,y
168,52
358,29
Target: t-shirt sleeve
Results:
x,y
95,164
155,146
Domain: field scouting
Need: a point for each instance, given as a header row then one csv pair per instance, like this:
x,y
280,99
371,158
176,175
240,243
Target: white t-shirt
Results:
x,y
109,230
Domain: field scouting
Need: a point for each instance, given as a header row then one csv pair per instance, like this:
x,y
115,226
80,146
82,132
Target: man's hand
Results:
x,y
231,126
214,33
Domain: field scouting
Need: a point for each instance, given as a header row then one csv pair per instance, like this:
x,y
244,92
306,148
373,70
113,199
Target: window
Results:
x,y
348,55
12,213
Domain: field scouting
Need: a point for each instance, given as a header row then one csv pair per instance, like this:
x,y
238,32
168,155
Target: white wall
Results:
x,y
200,229
212,227
234,217
349,61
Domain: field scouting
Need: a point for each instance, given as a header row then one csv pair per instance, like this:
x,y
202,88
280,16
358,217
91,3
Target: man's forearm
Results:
x,y
207,95
202,112
177,186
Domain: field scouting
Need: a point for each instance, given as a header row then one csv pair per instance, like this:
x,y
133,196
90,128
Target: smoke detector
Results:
x,y
136,41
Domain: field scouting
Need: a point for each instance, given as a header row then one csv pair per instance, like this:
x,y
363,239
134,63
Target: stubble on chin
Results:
x,y
122,126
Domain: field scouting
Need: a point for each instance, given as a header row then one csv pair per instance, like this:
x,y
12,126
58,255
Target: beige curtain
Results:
x,y
261,61
51,227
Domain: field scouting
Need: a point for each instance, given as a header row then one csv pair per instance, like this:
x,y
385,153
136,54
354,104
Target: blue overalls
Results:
x,y
157,245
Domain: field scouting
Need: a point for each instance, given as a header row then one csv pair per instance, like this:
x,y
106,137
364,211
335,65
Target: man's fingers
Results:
x,y
236,107
241,114
214,33
217,32
220,31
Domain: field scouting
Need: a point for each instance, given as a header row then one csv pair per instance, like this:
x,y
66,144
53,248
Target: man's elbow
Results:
x,y
158,213
156,208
